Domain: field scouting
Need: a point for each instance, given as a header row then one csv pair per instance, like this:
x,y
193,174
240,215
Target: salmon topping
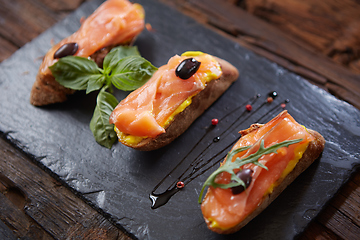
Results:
x,y
220,207
115,22
146,111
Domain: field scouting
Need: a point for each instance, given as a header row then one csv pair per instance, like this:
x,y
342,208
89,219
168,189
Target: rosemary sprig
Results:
x,y
229,165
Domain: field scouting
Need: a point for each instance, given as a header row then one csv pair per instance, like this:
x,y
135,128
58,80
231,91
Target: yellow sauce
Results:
x,y
215,224
128,139
192,53
181,108
298,152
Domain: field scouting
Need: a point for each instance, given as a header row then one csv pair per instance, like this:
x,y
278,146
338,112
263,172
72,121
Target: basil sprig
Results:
x,y
229,166
123,67
78,73
103,131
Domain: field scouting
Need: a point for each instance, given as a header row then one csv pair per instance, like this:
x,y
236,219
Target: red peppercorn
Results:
x,y
269,99
248,107
214,121
180,184
283,105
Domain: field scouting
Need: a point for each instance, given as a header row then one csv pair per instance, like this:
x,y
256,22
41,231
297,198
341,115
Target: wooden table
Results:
x,y
319,40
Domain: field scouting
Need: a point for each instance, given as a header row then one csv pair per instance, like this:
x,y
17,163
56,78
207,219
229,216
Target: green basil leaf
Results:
x,y
116,54
76,72
131,73
102,130
95,83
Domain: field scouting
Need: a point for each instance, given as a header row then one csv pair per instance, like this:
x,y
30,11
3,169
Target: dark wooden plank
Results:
x,y
10,32
339,223
342,93
317,231
21,224
350,196
23,20
7,49
5,232
267,40
32,202
347,202
330,27
62,5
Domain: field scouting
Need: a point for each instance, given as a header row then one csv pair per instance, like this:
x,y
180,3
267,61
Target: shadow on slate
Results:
x,y
119,181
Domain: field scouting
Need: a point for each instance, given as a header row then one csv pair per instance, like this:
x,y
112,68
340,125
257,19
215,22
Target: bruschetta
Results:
x,y
226,210
115,22
179,92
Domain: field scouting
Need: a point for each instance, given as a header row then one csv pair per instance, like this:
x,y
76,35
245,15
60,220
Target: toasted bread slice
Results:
x,y
46,90
213,90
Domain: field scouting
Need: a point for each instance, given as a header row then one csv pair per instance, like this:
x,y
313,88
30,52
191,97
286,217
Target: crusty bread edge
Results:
x,y
313,151
203,100
46,90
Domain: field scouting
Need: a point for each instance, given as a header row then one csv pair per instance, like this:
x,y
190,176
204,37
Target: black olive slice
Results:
x,y
187,68
66,50
245,176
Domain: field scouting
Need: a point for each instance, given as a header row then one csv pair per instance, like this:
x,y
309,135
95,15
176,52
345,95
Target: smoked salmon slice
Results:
x,y
115,22
225,211
148,110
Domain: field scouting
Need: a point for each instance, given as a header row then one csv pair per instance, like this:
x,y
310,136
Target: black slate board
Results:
x,y
119,181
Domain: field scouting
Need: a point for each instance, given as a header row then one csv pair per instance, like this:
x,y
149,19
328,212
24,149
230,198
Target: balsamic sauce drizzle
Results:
x,y
269,113
199,166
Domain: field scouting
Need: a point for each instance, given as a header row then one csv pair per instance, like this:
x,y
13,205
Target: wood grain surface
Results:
x,y
318,40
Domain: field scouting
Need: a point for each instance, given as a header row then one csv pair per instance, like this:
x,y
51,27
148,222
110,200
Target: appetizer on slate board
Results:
x,y
115,22
179,92
263,162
